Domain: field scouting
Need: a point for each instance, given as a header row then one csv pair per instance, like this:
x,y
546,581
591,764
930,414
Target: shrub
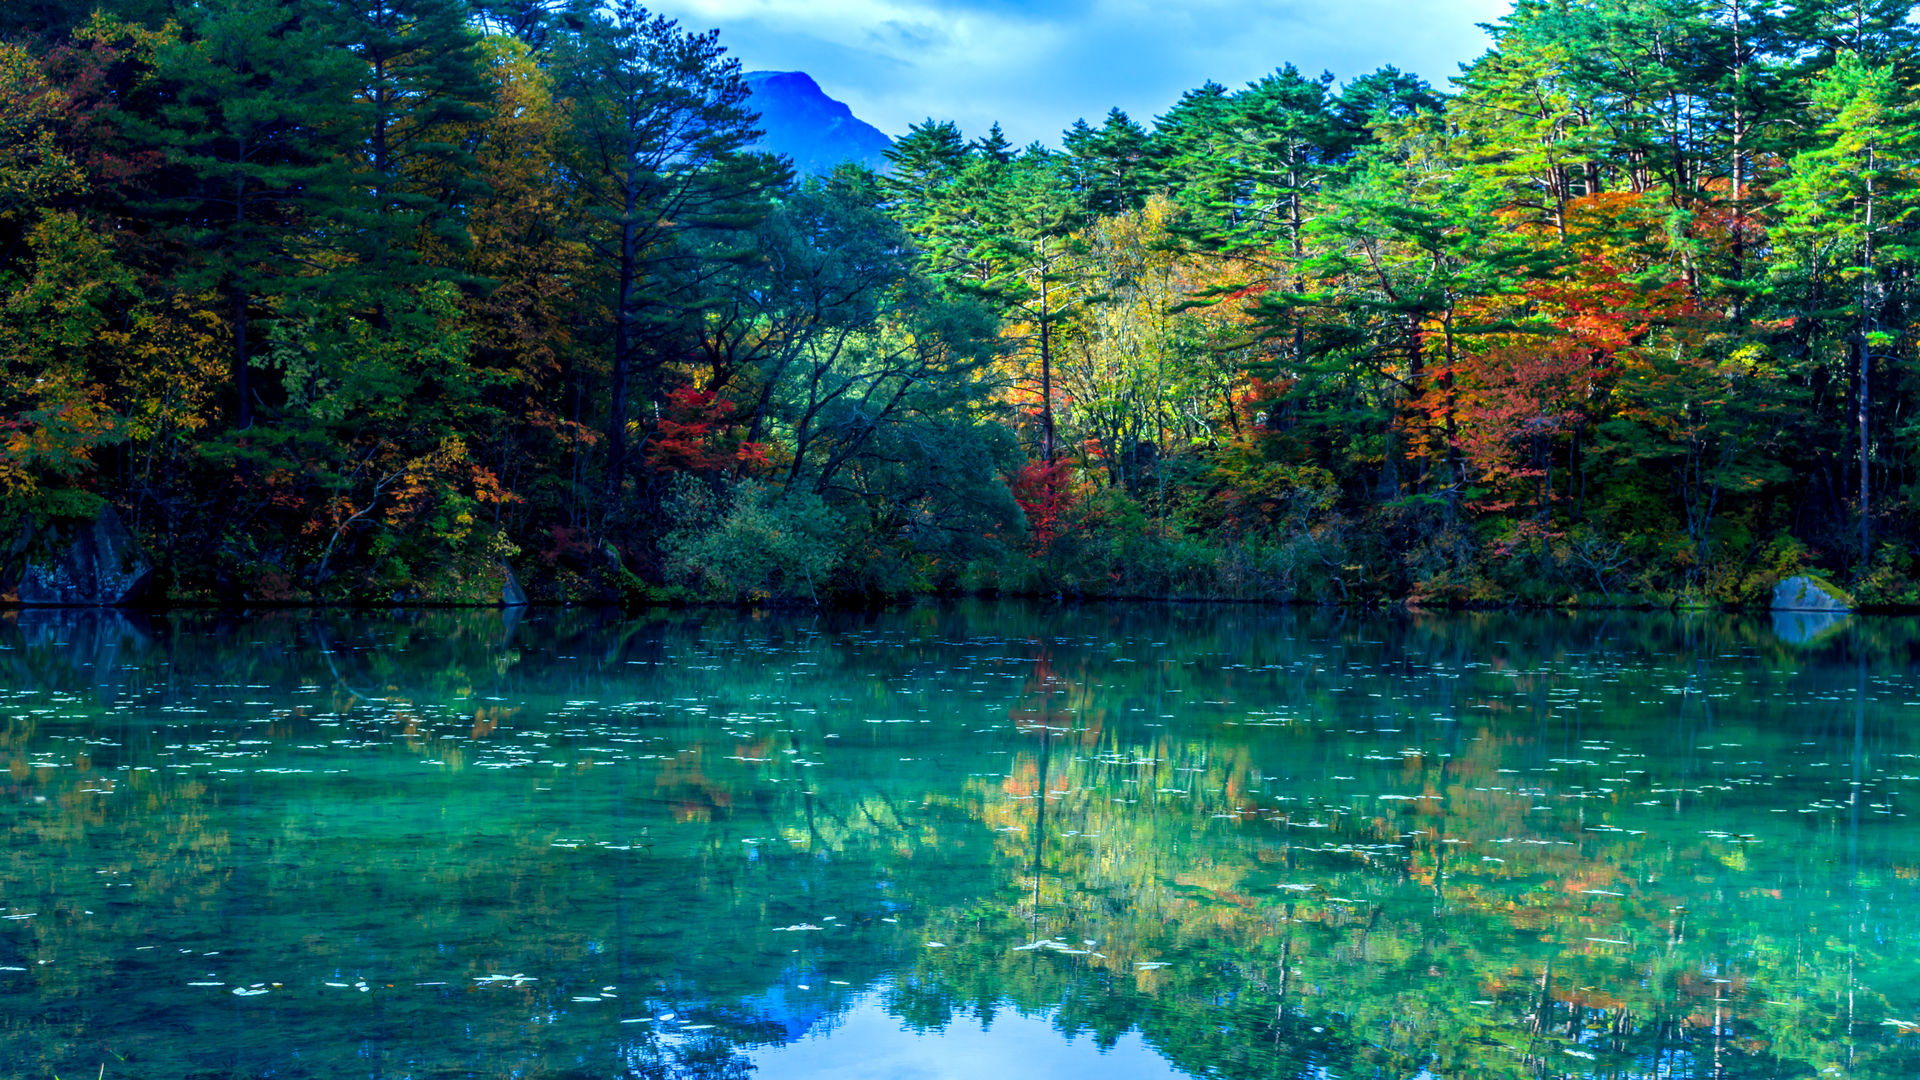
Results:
x,y
750,542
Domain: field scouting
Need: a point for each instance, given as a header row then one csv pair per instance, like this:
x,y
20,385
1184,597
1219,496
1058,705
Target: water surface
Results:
x,y
958,841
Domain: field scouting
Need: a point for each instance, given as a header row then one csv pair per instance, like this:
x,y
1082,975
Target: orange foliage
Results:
x,y
1509,395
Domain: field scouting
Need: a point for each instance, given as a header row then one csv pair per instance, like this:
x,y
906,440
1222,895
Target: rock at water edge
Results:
x,y
92,564
511,594
1801,593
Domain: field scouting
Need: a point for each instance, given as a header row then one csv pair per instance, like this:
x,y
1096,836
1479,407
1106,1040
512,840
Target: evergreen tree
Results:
x,y
1847,212
1109,164
1026,259
419,96
257,102
659,127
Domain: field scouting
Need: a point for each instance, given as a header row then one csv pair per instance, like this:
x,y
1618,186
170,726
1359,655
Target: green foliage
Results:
x,y
748,542
347,302
56,324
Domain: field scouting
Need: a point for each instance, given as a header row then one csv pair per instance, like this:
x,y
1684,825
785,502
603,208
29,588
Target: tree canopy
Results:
x,y
374,301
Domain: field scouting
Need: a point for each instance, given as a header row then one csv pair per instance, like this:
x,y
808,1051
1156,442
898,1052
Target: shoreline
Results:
x,y
1516,607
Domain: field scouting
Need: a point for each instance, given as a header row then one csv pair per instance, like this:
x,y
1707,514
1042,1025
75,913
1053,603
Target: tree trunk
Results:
x,y
622,349
1046,374
1860,411
243,411
1867,297
237,299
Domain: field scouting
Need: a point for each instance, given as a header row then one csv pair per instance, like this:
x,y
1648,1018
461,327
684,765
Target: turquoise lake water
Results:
x,y
968,840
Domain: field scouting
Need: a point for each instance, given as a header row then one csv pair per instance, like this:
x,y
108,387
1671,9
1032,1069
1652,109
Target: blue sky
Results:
x,y
1036,67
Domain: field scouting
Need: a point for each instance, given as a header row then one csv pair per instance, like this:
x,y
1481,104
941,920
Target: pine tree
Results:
x,y
1109,164
1848,207
1027,265
923,186
258,100
659,125
420,92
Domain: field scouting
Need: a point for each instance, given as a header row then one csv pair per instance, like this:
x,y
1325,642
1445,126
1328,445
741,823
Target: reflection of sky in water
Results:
x,y
867,1044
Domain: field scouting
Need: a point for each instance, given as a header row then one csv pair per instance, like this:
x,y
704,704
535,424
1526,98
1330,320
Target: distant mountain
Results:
x,y
803,123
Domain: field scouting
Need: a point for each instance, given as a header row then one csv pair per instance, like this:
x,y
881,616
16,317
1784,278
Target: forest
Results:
x,y
383,301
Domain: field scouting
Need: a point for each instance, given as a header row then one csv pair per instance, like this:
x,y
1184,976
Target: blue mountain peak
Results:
x,y
803,123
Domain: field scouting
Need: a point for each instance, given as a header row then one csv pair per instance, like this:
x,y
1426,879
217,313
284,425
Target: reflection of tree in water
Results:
x,y
1251,909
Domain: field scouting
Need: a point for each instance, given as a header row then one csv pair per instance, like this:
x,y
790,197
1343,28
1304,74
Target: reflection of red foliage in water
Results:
x,y
691,795
1035,715
1039,713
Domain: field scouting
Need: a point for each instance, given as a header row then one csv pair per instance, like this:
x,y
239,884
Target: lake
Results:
x,y
958,840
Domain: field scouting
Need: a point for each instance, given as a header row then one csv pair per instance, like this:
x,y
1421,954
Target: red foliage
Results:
x,y
1256,395
99,70
1046,493
752,456
695,433
572,545
683,438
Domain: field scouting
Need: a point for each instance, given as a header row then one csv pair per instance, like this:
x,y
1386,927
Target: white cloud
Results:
x,y
1038,67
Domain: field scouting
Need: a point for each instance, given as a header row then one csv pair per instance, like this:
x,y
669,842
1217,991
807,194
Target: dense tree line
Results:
x,y
369,300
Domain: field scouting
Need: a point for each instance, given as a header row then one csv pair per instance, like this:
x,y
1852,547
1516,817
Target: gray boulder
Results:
x,y
90,564
1801,593
511,594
